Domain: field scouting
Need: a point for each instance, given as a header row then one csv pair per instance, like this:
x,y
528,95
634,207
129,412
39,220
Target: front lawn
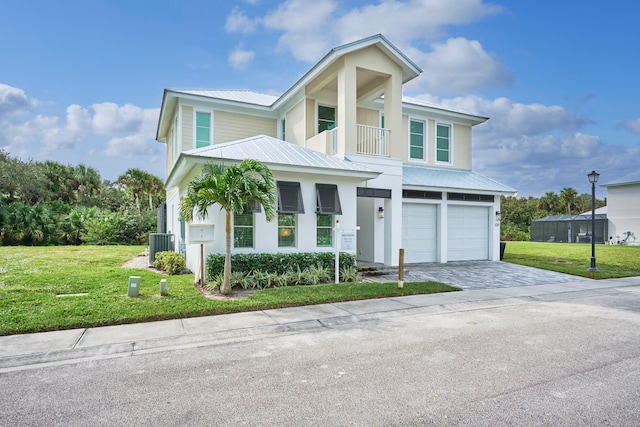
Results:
x,y
65,287
575,258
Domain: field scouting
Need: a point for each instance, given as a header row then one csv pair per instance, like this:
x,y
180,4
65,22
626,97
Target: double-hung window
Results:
x,y
328,205
203,129
326,118
289,205
417,140
243,226
443,143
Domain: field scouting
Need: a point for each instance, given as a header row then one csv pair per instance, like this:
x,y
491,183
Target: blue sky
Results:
x,y
82,81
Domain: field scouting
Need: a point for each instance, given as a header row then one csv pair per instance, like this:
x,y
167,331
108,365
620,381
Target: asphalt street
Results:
x,y
569,360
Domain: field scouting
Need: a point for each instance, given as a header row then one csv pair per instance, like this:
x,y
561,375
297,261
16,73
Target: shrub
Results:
x,y
278,263
349,274
171,262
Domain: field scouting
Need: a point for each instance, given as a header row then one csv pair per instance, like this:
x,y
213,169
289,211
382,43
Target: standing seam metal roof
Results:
x,y
450,178
271,150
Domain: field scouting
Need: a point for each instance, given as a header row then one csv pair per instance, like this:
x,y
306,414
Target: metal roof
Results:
x,y
457,179
274,151
245,96
623,181
563,218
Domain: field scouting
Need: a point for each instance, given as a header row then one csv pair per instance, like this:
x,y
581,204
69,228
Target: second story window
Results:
x,y
416,140
203,129
443,143
326,118
283,124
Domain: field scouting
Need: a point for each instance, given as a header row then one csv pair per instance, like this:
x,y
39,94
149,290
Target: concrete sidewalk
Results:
x,y
124,340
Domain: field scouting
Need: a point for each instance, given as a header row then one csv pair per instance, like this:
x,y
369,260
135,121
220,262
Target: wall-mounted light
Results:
x,y
498,216
380,212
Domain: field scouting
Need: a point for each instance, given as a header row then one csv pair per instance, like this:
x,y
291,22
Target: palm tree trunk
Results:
x,y
226,283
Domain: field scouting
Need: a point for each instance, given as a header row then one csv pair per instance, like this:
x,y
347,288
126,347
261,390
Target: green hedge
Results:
x,y
278,263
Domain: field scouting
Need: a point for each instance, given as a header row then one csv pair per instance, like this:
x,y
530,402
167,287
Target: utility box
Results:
x,y
160,242
134,286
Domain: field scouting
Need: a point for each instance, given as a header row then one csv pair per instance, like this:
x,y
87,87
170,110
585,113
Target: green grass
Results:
x,y
613,261
31,278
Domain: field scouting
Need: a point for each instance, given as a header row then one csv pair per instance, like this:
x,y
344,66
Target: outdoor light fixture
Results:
x,y
498,216
593,178
380,212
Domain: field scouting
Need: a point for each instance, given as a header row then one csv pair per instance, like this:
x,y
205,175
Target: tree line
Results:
x,y
517,213
49,203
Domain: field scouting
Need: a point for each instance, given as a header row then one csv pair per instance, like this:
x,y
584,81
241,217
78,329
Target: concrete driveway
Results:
x,y
478,275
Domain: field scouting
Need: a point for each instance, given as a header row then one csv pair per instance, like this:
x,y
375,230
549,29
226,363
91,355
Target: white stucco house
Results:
x,y
623,209
344,145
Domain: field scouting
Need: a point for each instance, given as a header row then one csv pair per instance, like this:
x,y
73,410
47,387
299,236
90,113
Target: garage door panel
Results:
x,y
467,233
419,231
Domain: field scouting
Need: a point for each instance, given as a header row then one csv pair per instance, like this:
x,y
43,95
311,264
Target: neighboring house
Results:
x,y
623,209
344,146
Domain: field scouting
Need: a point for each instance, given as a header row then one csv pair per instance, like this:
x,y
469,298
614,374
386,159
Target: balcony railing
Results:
x,y
372,140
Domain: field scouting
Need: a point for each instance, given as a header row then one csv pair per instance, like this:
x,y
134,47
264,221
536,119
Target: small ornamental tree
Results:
x,y
231,187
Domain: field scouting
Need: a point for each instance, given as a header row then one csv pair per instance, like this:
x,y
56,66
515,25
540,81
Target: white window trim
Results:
x,y
233,233
296,232
330,227
318,105
425,143
197,110
435,145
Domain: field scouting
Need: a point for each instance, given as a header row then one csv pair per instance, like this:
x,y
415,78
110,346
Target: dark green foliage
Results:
x,y
119,228
171,262
50,204
279,263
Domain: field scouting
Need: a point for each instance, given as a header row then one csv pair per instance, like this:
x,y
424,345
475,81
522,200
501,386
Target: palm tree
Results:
x,y
568,196
231,187
550,203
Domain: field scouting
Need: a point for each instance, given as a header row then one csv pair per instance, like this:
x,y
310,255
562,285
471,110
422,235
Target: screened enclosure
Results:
x,y
569,229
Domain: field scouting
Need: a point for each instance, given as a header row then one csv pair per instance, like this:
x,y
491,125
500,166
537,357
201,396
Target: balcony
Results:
x,y
372,140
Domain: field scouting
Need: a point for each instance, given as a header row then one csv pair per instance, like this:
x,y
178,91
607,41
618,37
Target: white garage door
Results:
x,y
419,231
467,233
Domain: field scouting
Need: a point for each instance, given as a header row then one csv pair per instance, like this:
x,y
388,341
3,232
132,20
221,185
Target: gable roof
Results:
x,y
277,154
456,179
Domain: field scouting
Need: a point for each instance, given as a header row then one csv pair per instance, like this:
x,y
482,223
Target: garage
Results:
x,y
467,233
419,232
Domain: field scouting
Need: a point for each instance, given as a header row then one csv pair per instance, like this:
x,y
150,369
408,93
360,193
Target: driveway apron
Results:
x,y
478,275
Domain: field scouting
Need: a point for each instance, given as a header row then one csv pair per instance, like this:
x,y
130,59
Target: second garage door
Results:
x,y
467,233
419,231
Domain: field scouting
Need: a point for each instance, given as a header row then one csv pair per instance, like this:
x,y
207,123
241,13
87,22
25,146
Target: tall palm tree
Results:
x,y
568,195
231,187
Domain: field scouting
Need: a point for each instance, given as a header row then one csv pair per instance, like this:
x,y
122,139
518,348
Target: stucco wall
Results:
x,y
623,210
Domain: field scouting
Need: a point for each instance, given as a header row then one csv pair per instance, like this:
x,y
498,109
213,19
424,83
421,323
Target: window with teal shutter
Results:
x,y
203,129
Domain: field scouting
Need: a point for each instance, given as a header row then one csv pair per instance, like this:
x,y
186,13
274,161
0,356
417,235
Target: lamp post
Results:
x,y
593,178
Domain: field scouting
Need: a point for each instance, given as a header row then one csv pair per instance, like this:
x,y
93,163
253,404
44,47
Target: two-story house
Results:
x,y
344,145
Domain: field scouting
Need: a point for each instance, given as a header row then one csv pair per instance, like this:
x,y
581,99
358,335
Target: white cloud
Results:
x,y
131,146
240,58
110,118
307,26
459,65
14,100
404,21
632,125
238,22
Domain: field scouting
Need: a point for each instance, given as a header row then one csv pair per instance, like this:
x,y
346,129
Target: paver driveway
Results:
x,y
479,275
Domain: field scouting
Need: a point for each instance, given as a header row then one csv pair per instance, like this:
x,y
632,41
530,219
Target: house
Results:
x,y
623,210
344,146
